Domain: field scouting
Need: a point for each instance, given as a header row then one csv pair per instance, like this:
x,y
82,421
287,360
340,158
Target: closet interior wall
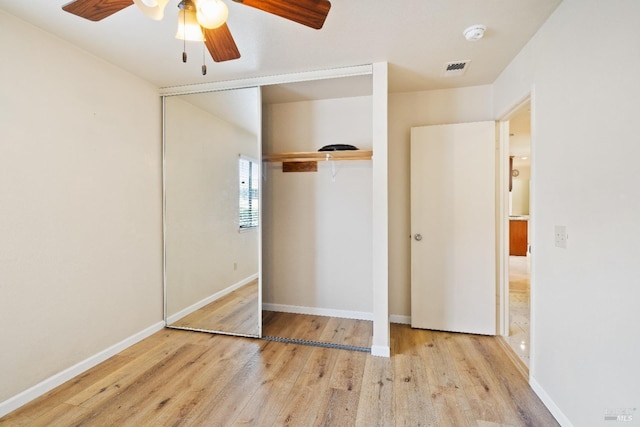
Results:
x,y
317,226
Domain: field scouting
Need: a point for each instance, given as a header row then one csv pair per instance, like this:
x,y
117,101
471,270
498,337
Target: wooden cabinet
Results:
x,y
518,237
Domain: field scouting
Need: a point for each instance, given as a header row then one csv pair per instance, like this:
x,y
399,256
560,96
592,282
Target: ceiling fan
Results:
x,y
207,17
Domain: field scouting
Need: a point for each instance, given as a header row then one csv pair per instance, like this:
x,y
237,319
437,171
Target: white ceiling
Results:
x,y
416,37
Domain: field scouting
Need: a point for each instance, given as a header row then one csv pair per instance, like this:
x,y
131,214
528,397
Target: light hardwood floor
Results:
x,y
236,312
332,330
188,378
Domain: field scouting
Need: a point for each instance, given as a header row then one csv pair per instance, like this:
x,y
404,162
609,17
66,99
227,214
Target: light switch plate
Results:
x,y
561,236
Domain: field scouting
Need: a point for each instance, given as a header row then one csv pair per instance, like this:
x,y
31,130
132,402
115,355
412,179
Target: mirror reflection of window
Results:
x,y
249,207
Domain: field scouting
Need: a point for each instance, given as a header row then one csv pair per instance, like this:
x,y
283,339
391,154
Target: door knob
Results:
x,y
418,237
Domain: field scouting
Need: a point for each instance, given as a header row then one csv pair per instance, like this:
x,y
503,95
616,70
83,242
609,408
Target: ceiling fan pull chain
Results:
x,y
204,66
184,38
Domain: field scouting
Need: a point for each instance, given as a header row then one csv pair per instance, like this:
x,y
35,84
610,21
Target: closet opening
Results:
x,y
317,213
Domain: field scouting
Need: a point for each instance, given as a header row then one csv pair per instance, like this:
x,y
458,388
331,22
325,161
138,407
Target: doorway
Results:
x,y
516,331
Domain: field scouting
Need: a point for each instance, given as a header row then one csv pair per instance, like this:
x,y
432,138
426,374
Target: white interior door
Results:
x,y
453,228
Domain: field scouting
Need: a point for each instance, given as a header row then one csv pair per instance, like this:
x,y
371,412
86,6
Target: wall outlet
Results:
x,y
561,236
235,266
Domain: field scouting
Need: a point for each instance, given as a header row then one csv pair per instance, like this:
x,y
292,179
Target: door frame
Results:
x,y
503,215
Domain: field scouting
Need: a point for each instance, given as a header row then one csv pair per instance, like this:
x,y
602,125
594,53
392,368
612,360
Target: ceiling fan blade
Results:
x,y
220,43
96,10
311,13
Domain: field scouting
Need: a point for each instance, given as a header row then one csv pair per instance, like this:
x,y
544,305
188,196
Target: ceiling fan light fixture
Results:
x,y
212,13
154,9
188,26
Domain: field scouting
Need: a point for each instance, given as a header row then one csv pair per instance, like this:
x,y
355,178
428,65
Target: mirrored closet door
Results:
x,y
212,193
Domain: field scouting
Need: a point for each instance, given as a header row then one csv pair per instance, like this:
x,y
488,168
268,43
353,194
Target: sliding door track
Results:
x,y
318,344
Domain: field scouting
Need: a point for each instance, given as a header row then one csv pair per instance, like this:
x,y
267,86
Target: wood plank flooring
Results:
x,y
182,378
332,330
236,312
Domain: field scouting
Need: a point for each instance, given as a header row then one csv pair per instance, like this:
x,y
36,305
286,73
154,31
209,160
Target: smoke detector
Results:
x,y
474,32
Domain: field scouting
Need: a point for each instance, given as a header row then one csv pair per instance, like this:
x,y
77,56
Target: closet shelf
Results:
x,y
315,156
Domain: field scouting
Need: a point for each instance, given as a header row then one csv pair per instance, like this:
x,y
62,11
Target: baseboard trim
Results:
x,y
399,318
211,298
510,352
549,403
317,311
54,381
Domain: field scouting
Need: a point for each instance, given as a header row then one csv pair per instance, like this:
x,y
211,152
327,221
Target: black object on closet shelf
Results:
x,y
338,147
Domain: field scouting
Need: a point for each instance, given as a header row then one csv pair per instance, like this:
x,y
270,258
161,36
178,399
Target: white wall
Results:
x,y
519,195
317,231
407,110
80,206
205,252
583,65
519,204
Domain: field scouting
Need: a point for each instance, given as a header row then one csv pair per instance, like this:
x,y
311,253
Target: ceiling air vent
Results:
x,y
456,68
